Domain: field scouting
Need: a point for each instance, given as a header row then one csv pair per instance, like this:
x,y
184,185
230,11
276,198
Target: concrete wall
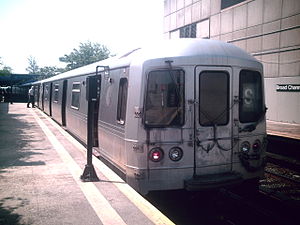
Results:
x,y
268,29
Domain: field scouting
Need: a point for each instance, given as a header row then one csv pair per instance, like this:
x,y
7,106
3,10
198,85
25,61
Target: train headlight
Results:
x,y
175,154
256,146
245,147
156,154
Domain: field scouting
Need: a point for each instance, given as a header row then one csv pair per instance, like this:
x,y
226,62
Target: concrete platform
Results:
x,y
40,168
283,129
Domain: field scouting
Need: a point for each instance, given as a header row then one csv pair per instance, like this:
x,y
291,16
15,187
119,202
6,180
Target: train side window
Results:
x,y
56,88
75,95
213,98
251,98
122,101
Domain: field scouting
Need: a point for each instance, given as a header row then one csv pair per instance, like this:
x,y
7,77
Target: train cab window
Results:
x,y
56,88
164,104
75,95
213,98
122,101
251,99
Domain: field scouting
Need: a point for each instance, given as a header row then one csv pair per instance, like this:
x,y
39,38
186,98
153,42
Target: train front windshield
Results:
x,y
165,98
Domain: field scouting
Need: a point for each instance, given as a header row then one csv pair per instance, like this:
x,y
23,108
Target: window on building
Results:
x,y
122,101
164,104
75,95
189,31
227,3
213,98
56,87
251,99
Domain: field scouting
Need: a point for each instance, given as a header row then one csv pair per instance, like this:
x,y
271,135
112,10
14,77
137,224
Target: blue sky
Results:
x,y
48,29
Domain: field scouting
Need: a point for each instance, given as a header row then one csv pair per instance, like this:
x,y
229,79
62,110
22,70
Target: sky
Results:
x,y
49,29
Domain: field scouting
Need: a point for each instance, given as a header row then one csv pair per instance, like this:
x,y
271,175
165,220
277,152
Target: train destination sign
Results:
x,y
288,87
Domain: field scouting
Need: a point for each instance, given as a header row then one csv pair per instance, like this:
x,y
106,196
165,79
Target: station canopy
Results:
x,y
17,79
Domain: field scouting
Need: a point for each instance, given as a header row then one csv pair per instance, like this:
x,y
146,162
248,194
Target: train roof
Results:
x,y
222,52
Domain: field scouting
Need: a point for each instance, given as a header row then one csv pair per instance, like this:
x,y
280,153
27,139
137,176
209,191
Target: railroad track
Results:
x,y
284,161
282,179
292,176
253,208
277,201
238,206
265,206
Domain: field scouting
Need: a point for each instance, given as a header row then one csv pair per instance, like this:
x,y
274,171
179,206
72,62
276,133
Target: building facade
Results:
x,y
267,29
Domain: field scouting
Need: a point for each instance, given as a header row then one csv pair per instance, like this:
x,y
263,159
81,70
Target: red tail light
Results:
x,y
256,146
156,154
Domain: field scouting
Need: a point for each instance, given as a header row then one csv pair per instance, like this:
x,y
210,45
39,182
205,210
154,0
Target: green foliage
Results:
x,y
49,71
88,53
4,70
44,72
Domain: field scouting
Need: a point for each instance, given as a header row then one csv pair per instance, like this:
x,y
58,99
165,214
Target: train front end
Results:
x,y
201,122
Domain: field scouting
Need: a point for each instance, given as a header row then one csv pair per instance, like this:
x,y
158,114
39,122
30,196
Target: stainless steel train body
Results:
x,y
179,114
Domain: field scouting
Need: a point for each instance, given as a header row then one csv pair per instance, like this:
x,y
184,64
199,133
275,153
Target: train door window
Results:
x,y
164,104
75,102
213,98
56,88
122,101
251,99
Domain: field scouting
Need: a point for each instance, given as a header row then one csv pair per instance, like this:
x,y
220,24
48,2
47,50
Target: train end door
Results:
x,y
213,120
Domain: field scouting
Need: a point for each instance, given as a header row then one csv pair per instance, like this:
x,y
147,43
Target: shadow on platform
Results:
x,y
7,214
3,107
19,141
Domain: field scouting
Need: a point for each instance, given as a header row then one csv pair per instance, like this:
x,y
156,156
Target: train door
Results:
x,y
63,102
213,127
42,95
50,99
36,95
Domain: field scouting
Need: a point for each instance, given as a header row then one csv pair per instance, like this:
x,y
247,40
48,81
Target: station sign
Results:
x,y
288,87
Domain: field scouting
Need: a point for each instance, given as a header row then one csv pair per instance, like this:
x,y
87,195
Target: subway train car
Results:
x,y
179,114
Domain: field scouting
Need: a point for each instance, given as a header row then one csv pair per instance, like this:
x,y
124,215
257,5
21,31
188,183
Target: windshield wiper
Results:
x,y
177,91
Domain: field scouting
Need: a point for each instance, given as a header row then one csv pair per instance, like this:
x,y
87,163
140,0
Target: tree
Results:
x,y
44,72
33,68
4,70
49,71
88,53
